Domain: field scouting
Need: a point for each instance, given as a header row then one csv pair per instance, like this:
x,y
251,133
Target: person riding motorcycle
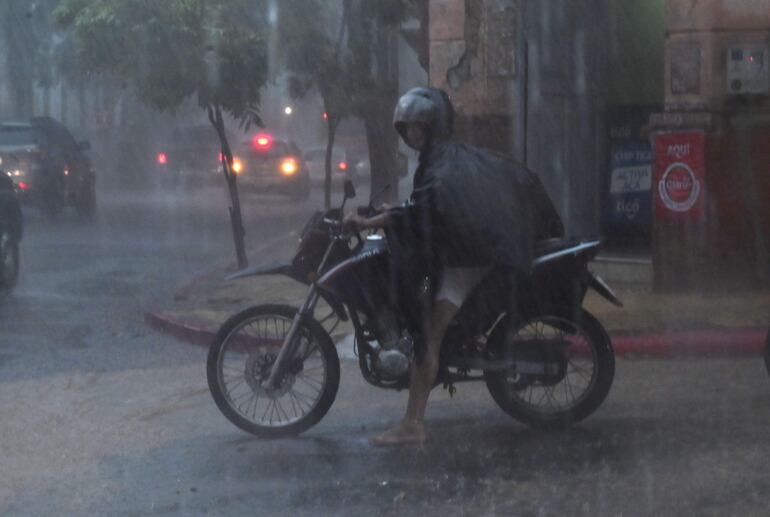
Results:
x,y
470,210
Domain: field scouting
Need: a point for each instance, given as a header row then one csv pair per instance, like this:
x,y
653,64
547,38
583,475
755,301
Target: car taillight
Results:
x,y
289,167
343,166
23,185
262,142
162,158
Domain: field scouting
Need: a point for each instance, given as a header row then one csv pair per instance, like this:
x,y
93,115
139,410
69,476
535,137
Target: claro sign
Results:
x,y
679,172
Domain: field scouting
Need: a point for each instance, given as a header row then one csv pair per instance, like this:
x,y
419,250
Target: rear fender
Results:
x,y
596,283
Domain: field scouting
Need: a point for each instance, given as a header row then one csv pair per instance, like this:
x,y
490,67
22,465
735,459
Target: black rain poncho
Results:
x,y
469,207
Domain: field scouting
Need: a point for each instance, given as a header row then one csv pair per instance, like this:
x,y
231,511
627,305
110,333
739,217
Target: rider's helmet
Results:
x,y
428,106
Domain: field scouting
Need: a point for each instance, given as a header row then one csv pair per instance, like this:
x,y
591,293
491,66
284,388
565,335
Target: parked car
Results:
x,y
266,164
189,157
10,234
48,167
342,169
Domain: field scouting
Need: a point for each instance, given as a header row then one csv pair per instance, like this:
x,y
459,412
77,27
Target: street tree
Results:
x,y
312,33
169,51
347,51
28,44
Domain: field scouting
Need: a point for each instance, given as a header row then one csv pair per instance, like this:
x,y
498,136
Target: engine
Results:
x,y
396,349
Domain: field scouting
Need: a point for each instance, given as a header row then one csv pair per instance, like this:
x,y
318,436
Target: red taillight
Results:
x,y
23,186
343,166
263,141
162,158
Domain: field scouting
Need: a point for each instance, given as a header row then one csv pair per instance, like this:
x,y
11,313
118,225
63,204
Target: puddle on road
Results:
x,y
108,284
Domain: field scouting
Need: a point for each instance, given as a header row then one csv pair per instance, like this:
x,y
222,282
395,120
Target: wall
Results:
x,y
729,243
698,33
528,78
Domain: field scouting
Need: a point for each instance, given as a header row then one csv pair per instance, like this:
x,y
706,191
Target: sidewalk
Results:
x,y
649,324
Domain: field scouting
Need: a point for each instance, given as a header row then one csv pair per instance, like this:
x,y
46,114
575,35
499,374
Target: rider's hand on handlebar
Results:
x,y
355,221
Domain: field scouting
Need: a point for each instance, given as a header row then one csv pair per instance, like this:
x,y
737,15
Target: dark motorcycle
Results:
x,y
274,371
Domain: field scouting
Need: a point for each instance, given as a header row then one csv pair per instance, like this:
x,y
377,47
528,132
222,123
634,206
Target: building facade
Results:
x,y
644,118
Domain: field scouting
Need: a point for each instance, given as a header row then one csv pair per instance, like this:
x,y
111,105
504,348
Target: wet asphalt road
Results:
x,y
103,416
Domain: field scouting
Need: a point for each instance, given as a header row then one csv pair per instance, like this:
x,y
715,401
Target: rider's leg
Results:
x,y
422,377
456,286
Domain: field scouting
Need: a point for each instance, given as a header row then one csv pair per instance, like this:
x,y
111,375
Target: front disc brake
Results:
x,y
257,372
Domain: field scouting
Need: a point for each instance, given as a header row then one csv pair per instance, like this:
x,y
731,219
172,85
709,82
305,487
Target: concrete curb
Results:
x,y
196,333
183,291
697,343
709,343
284,244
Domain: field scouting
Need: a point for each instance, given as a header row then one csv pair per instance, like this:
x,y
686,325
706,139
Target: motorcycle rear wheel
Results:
x,y
584,352
240,360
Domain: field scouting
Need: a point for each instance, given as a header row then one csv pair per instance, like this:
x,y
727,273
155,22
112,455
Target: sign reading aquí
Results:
x,y
679,173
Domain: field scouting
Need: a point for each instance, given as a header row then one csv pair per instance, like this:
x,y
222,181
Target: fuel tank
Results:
x,y
363,280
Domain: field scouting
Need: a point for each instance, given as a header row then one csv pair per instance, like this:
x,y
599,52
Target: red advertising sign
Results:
x,y
679,171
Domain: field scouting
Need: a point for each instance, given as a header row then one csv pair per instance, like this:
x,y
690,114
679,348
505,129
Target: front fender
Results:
x,y
281,268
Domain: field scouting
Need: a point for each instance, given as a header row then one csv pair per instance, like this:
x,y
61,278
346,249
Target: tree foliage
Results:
x,y
334,46
346,51
171,50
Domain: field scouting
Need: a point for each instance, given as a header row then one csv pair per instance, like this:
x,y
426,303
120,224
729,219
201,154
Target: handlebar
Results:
x,y
340,230
334,224
366,211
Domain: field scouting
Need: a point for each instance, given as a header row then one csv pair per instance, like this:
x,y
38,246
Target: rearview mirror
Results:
x,y
350,190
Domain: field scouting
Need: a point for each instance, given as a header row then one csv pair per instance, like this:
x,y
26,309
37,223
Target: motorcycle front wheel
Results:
x,y
240,360
565,368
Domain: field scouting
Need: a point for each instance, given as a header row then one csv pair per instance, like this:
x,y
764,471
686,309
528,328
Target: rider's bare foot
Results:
x,y
403,433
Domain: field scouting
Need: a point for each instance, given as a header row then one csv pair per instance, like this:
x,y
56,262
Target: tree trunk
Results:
x,y
383,148
381,137
332,121
63,103
751,198
18,63
46,99
236,219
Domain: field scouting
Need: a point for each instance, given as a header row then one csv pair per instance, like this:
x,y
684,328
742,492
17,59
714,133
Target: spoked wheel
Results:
x,y
240,361
564,367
